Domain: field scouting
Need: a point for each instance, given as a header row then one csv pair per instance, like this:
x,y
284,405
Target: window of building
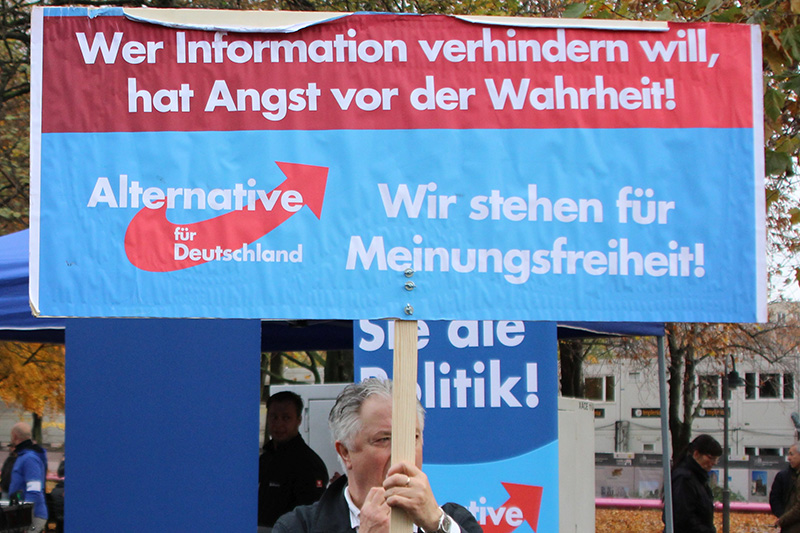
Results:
x,y
708,387
600,389
765,386
754,451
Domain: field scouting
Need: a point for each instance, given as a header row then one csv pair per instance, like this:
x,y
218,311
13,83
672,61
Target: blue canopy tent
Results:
x,y
16,320
18,323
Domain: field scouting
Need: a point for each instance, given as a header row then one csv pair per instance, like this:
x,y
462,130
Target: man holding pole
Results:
x,y
361,424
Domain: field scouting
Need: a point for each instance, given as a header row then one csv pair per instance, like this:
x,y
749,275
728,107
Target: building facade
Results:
x,y
627,411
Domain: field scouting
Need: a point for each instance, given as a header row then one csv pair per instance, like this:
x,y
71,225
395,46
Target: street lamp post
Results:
x,y
729,381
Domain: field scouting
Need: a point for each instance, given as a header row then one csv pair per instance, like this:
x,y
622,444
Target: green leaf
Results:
x,y
729,15
777,163
665,14
773,103
792,83
712,6
574,11
790,39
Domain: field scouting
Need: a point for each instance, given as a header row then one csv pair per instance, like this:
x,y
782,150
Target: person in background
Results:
x,y
290,473
55,500
361,500
28,474
784,482
5,472
789,519
692,501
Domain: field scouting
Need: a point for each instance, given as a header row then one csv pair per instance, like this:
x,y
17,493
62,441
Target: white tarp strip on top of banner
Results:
x,y
291,21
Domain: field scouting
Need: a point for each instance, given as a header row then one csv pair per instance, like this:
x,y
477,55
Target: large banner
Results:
x,y
490,392
378,165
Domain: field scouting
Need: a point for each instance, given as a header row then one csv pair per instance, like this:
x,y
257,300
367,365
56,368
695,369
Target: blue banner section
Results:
x,y
518,494
490,393
496,377
494,224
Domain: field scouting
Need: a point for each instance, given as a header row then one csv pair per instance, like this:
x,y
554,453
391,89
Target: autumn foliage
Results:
x,y
32,377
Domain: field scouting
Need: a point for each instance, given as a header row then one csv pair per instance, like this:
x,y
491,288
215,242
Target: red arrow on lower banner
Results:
x,y
525,497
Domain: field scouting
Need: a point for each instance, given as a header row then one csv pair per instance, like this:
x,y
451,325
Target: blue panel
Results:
x,y
490,391
486,258
162,425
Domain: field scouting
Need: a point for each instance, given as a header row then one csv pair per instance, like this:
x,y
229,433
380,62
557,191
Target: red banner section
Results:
x,y
108,74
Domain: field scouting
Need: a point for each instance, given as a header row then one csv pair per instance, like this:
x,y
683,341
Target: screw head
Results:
x,y
409,309
409,272
410,285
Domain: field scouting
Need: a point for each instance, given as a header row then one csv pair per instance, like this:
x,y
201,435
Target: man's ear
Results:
x,y
344,453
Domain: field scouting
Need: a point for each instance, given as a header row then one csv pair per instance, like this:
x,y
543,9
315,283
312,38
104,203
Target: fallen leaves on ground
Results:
x,y
649,521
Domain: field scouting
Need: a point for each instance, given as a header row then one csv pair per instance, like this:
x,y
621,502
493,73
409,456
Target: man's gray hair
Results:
x,y
344,418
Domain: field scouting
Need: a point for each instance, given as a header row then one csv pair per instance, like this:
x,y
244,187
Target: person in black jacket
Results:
x,y
361,424
5,473
784,482
692,501
290,473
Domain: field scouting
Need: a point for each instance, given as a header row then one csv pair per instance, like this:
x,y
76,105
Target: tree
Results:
x,y
338,366
687,345
32,379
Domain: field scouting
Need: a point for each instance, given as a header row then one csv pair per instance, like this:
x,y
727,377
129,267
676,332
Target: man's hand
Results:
x,y
407,488
375,512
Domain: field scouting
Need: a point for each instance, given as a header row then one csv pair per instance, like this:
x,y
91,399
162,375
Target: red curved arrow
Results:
x,y
527,498
150,239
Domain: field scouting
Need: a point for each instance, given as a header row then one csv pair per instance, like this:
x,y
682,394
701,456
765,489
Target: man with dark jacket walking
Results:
x,y
783,483
789,520
693,502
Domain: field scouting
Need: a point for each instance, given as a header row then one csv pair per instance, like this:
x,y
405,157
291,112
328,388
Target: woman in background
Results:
x,y
692,501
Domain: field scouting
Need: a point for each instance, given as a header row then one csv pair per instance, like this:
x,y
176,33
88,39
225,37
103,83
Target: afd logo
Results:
x,y
522,506
155,244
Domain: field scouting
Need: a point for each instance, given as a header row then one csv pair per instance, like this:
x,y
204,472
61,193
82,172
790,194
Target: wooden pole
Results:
x,y
404,406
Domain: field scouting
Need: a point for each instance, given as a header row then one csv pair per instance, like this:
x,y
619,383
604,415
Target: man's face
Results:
x,y
706,461
370,456
283,422
793,457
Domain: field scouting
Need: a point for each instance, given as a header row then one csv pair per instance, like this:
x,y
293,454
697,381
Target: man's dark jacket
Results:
x,y
692,501
332,515
779,493
289,474
5,473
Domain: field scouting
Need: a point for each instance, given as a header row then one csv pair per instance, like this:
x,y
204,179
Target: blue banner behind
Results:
x,y
491,428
